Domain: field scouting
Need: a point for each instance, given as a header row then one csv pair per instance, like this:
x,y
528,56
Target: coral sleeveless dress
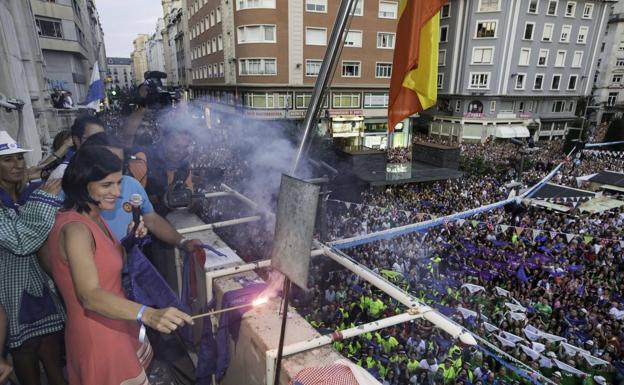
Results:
x,y
100,350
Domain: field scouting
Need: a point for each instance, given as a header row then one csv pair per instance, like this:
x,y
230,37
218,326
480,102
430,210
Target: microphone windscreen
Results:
x,y
136,200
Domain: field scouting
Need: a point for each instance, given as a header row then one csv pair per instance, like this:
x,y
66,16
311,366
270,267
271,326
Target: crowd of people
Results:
x,y
543,288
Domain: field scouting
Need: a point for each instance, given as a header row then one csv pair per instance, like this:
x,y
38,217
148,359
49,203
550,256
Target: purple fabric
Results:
x,y
521,275
229,322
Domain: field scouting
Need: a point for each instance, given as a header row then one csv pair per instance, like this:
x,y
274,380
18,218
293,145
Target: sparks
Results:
x,y
259,301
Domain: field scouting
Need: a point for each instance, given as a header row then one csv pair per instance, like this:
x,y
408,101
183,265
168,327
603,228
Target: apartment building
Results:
x,y
155,48
139,57
71,40
119,73
608,101
516,67
266,54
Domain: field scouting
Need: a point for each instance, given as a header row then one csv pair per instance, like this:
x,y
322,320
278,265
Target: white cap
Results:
x,y
8,146
557,374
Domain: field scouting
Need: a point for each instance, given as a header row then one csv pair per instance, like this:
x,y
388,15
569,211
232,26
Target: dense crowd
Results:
x,y
543,288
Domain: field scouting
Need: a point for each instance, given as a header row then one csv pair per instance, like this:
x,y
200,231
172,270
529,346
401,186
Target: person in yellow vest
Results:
x,y
375,307
389,343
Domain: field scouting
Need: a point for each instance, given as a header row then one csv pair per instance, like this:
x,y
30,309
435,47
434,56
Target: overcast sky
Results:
x,y
122,20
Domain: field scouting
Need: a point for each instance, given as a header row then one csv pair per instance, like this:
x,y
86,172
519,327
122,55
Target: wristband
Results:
x,y
139,319
181,244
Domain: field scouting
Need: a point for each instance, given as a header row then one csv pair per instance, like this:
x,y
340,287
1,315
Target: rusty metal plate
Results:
x,y
294,229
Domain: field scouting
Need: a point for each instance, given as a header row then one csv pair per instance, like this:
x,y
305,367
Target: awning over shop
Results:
x,y
556,193
507,132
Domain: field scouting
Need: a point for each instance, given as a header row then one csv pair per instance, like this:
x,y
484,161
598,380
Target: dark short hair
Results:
x,y
90,164
103,139
78,128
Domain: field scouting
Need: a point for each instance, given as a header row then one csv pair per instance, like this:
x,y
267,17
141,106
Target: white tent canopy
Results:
x,y
506,132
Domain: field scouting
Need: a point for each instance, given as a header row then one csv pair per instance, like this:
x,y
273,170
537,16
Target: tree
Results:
x,y
615,133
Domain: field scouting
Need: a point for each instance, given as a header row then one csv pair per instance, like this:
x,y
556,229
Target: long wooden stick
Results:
x,y
221,311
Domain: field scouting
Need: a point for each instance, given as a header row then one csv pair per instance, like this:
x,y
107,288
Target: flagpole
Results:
x,y
334,47
336,41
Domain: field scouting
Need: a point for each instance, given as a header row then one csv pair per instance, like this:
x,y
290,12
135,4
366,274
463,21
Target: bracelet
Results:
x,y
139,316
181,244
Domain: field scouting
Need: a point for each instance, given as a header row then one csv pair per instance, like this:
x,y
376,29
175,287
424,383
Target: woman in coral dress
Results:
x,y
102,333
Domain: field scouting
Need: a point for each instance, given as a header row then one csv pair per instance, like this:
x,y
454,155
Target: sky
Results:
x,y
122,20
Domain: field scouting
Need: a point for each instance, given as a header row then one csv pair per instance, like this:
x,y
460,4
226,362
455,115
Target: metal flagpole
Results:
x,y
336,41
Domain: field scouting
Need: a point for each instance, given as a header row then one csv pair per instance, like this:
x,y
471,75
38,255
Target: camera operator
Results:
x,y
163,169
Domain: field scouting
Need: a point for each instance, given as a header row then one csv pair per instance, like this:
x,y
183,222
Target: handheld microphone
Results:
x,y
136,200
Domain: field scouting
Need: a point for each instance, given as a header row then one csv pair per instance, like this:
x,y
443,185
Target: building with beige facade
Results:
x,y
139,57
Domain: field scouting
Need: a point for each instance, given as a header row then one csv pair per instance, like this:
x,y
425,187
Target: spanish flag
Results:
x,y
413,86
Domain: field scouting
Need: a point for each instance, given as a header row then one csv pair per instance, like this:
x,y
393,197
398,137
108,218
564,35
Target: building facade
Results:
x,y
139,57
515,64
119,74
608,101
265,56
71,39
156,50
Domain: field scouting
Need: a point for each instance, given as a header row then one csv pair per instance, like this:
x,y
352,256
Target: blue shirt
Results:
x,y
120,217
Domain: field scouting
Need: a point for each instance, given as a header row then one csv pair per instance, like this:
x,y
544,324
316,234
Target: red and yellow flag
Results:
x,y
413,86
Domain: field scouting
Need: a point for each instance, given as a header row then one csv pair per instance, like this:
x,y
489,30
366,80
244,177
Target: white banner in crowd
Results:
x,y
501,292
530,352
472,288
515,308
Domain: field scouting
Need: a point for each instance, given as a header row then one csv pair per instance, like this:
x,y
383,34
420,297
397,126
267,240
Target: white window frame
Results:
x,y
528,62
446,35
556,8
540,55
565,56
480,6
393,40
492,105
370,96
519,75
355,44
588,15
482,48
388,2
220,42
359,8
552,81
442,54
249,4
261,27
575,82
618,62
566,14
582,32
218,15
561,37
486,21
377,67
263,60
315,29
355,96
440,80
617,78
212,19
486,86
316,3
525,29
448,7
554,105
548,26
348,62
536,7
535,79
312,62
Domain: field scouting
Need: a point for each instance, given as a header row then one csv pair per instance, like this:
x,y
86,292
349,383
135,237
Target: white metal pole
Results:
x,y
327,339
217,225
